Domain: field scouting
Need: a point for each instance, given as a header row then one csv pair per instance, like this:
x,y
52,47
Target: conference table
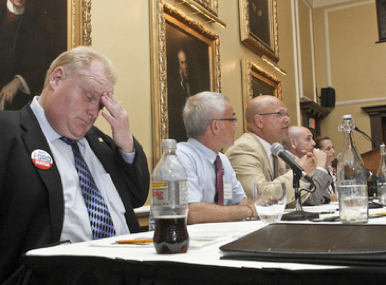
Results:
x,y
107,262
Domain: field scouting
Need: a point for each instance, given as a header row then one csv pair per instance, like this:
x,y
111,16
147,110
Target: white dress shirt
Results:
x,y
76,224
198,161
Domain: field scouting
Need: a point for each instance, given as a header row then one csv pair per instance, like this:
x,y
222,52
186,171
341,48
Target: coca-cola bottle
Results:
x,y
169,203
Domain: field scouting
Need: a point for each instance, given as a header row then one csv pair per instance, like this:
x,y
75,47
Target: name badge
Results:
x,y
228,194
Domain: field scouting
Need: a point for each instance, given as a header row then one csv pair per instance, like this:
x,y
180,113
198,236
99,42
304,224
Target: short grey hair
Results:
x,y
200,110
76,59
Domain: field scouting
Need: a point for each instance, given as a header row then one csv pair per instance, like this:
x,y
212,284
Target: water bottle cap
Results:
x,y
346,123
169,144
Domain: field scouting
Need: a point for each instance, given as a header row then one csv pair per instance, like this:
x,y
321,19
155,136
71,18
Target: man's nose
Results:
x,y
93,111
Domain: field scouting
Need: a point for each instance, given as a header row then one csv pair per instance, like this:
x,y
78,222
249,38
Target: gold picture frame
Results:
x,y
256,82
207,8
258,27
170,29
78,23
210,5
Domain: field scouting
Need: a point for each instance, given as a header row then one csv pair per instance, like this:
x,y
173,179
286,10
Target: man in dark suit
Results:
x,y
25,55
41,200
181,88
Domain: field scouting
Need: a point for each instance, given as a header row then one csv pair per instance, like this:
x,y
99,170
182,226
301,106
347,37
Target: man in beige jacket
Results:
x,y
268,122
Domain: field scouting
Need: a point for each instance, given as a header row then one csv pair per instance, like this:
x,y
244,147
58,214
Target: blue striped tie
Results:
x,y
101,223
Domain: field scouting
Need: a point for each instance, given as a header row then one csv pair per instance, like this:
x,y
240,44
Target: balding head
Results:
x,y
270,127
299,139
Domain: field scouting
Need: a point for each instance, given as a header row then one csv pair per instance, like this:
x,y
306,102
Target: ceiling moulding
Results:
x,y
322,3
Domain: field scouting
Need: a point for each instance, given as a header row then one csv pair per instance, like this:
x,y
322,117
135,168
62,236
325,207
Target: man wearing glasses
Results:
x,y
215,194
267,121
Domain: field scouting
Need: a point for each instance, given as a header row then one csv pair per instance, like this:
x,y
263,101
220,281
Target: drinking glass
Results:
x,y
270,200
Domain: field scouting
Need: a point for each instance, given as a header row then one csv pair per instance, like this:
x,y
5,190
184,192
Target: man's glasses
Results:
x,y
279,114
234,119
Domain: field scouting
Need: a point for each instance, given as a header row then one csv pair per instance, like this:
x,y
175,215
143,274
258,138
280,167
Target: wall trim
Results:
x,y
322,3
296,69
362,101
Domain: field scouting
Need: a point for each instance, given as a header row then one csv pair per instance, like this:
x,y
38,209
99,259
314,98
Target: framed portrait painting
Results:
x,y
185,60
256,82
33,34
258,27
381,18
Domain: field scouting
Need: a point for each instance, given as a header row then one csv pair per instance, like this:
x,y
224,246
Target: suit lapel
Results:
x,y
266,160
100,148
34,139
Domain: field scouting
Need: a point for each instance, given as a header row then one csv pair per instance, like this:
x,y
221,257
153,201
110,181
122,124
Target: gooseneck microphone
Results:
x,y
278,150
297,215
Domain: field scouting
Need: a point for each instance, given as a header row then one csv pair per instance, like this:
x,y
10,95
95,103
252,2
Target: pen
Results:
x,y
134,241
377,215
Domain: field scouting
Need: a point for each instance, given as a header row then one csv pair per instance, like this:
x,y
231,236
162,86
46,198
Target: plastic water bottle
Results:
x,y
169,202
352,178
381,176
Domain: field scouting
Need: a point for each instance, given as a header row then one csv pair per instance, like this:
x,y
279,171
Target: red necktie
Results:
x,y
219,182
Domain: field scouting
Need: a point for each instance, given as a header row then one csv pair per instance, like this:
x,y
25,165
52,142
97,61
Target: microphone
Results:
x,y
278,150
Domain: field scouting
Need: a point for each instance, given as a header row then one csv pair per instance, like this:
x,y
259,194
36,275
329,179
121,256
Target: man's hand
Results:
x,y
320,158
119,122
307,163
251,205
9,91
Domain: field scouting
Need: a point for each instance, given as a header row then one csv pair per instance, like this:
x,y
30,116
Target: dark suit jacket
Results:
x,y
177,96
26,49
31,199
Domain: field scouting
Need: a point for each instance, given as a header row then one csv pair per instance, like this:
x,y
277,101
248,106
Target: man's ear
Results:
x,y
257,121
293,143
214,127
56,76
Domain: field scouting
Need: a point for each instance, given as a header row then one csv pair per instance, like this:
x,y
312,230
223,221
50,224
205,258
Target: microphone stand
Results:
x,y
298,214
375,144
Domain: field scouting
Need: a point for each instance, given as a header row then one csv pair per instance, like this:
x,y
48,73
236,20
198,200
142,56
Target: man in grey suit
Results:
x,y
267,122
300,141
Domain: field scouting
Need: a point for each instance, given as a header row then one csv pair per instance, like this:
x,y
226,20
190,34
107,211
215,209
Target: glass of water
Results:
x,y
270,200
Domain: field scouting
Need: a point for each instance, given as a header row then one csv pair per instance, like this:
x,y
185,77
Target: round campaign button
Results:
x,y
41,159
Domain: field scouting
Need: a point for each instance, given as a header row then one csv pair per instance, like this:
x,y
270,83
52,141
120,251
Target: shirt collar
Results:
x,y
267,146
15,10
48,131
209,154
46,127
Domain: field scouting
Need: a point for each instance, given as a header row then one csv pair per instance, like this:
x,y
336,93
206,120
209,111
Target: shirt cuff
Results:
x,y
25,88
128,157
322,169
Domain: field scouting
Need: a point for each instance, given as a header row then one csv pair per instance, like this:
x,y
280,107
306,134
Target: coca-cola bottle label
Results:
x,y
160,193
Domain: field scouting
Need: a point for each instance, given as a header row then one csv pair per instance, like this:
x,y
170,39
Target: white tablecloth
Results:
x,y
205,240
